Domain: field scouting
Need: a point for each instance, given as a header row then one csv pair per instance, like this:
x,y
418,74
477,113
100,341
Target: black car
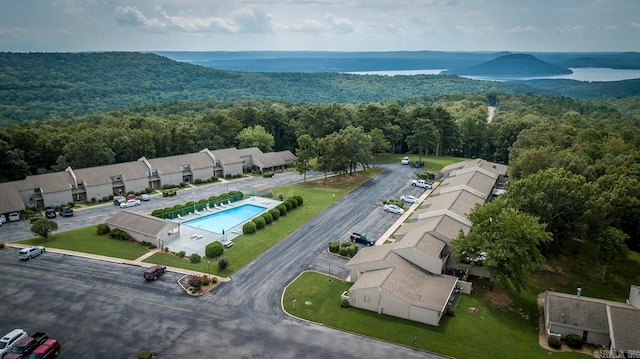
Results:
x,y
66,212
50,212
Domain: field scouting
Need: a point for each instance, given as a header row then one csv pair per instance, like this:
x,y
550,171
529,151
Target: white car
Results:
x,y
393,209
10,339
405,160
30,252
14,216
130,203
144,197
409,199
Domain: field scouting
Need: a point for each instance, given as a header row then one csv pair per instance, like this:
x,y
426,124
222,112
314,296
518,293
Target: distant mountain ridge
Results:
x,y
513,65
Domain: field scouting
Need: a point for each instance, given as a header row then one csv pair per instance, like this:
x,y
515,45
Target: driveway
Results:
x,y
106,310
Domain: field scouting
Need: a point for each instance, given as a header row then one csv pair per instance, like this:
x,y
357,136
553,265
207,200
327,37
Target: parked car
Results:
x,y
418,164
393,209
118,200
66,211
362,238
405,160
130,203
30,252
14,216
131,196
10,339
49,212
2,218
145,197
409,199
47,350
153,273
422,183
26,346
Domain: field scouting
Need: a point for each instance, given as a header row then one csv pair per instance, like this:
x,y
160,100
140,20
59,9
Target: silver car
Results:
x,y
30,252
409,199
393,209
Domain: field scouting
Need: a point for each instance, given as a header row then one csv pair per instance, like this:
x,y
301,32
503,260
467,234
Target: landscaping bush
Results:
x,y
1,245
268,174
260,222
195,258
214,250
283,209
574,341
145,354
293,201
334,247
102,228
288,204
249,227
353,249
275,213
194,281
205,280
181,254
119,234
555,342
197,181
223,263
268,218
344,303
344,251
299,199
345,244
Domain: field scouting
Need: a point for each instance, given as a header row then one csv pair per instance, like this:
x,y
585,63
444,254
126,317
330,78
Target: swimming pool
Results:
x,y
225,219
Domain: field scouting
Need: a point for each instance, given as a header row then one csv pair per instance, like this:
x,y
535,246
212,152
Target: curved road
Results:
x,y
105,310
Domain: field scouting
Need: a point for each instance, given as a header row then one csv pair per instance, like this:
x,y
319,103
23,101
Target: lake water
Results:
x,y
588,74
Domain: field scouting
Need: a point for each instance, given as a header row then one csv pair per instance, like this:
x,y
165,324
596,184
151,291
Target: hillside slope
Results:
x,y
516,65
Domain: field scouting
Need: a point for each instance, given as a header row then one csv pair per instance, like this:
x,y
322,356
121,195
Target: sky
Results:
x,y
322,25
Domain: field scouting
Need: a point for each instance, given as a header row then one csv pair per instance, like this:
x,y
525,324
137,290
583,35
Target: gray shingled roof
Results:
x,y
370,254
140,223
227,155
10,200
625,328
580,311
47,182
478,162
101,175
172,164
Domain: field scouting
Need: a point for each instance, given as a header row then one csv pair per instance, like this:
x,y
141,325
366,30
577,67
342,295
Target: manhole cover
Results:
x,y
307,302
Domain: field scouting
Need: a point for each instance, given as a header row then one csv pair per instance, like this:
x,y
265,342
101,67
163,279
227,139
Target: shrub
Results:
x,y
197,181
249,227
344,303
275,213
344,251
283,209
268,218
194,280
268,174
574,341
345,244
103,228
299,199
555,342
214,249
223,263
293,201
195,258
119,234
205,280
181,254
353,249
287,204
334,247
260,222
145,354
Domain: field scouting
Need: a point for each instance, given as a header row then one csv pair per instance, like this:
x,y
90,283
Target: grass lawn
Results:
x,y
431,163
489,332
88,241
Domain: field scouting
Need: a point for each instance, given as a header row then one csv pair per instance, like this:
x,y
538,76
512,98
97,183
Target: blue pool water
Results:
x,y
225,219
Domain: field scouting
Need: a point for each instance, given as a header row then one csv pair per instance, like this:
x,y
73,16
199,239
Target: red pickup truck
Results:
x,y
47,350
25,346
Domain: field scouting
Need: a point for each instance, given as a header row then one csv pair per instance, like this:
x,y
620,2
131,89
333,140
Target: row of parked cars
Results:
x,y
13,216
18,345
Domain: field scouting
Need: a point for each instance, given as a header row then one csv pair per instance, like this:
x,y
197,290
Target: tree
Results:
x,y
304,153
357,147
331,154
507,241
256,136
213,250
612,247
559,198
424,137
378,142
44,227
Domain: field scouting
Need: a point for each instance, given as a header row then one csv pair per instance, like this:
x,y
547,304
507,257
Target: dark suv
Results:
x,y
66,212
153,273
50,212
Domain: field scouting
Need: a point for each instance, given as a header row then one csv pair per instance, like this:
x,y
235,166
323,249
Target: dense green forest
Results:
x,y
46,85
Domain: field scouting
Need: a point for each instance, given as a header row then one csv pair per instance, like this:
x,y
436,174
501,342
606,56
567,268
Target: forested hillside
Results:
x,y
62,85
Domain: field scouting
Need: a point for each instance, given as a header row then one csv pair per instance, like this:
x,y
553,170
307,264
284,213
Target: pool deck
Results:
x,y
194,240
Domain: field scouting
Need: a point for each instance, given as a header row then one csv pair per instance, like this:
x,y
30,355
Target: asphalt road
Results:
x,y
105,310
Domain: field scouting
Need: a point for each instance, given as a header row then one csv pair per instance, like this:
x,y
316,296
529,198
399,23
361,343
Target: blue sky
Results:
x,y
331,25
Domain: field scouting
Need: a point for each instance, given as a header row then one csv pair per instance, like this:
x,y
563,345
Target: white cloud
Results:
x,y
342,25
131,16
523,30
635,25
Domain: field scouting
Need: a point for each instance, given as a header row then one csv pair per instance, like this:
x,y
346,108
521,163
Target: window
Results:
x,y
367,299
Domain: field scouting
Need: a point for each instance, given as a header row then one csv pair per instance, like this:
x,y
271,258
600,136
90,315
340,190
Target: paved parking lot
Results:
x,y
106,310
